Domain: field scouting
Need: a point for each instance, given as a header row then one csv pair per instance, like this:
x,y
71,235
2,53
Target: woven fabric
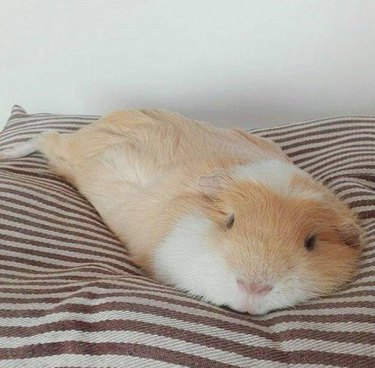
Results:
x,y
70,297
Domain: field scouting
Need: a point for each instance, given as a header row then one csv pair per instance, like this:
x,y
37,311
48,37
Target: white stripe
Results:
x,y
366,268
61,229
322,157
287,127
135,338
94,273
89,361
99,291
313,134
136,288
349,326
48,248
184,346
332,161
329,347
344,169
83,284
362,298
28,124
43,306
46,211
27,270
342,139
248,339
312,154
58,263
89,224
49,187
196,311
75,238
54,200
354,190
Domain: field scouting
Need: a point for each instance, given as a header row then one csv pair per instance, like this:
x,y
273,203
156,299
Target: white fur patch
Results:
x,y
185,260
276,175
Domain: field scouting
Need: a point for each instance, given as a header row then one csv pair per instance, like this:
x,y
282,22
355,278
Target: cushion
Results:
x,y
69,296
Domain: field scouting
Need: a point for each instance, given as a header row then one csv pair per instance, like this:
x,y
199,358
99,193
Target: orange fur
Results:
x,y
269,231
162,150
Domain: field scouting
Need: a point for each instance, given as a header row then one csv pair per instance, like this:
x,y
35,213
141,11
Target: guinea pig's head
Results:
x,y
284,237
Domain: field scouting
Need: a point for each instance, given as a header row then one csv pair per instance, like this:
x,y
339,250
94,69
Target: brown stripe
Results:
x,y
53,188
341,131
341,123
25,261
345,139
105,348
186,335
78,224
332,155
327,153
55,212
115,245
200,338
343,170
262,321
48,241
78,257
322,150
61,205
263,353
130,285
40,274
344,164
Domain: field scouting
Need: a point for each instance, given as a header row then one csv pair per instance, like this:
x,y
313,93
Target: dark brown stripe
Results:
x,y
264,353
105,348
50,203
79,258
78,223
30,274
313,152
341,123
334,156
305,163
338,132
265,321
48,241
54,211
140,326
57,119
79,235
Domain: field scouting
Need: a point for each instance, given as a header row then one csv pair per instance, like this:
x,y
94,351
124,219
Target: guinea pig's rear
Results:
x,y
266,236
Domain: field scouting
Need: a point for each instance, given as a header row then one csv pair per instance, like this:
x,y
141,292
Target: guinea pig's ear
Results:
x,y
213,182
350,234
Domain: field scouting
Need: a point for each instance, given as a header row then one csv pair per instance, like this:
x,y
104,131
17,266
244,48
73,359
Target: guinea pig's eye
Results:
x,y
310,242
230,221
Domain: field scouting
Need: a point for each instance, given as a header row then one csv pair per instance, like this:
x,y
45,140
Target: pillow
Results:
x,y
69,296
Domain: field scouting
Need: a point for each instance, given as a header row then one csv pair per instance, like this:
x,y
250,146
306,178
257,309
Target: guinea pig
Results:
x,y
219,213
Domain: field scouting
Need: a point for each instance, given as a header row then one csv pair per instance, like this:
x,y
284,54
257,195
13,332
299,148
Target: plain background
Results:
x,y
234,63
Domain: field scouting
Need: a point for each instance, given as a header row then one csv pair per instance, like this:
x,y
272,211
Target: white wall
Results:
x,y
232,62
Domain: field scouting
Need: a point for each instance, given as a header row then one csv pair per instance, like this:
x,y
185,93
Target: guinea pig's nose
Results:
x,y
254,287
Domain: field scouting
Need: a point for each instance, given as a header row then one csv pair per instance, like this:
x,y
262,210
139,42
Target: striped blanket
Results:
x,y
70,297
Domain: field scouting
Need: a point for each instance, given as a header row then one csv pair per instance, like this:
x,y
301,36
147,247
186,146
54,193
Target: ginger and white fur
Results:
x,y
170,187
